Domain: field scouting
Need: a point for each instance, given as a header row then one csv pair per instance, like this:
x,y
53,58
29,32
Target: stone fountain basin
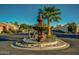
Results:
x,y
56,45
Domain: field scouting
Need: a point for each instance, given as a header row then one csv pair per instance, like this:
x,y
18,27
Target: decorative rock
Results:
x,y
42,46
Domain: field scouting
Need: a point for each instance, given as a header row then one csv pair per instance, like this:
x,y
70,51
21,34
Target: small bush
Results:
x,y
51,36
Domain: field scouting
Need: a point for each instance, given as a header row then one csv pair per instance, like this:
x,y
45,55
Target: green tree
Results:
x,y
16,23
50,14
24,26
72,27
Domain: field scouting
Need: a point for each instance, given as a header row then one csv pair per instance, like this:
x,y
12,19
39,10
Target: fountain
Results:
x,y
39,41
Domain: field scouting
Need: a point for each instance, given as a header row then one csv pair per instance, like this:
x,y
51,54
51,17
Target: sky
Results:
x,y
27,13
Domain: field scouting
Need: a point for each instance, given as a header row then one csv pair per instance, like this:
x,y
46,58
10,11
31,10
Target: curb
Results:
x,y
66,45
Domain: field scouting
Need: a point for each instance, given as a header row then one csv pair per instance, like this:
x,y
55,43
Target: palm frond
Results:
x,y
51,12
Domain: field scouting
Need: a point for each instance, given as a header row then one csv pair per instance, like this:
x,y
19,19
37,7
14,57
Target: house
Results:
x,y
12,26
1,28
61,27
5,26
77,29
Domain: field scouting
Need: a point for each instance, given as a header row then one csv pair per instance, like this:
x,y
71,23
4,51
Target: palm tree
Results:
x,y
51,14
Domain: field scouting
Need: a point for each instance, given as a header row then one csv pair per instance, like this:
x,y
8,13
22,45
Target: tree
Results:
x,y
51,14
72,27
24,26
16,23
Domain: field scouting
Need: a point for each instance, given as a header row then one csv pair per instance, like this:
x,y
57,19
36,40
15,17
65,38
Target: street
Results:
x,y
6,49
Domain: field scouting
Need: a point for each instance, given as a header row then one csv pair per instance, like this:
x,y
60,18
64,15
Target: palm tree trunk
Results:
x,y
49,28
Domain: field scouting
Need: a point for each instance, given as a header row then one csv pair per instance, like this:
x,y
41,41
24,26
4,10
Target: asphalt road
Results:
x,y
6,49
67,35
